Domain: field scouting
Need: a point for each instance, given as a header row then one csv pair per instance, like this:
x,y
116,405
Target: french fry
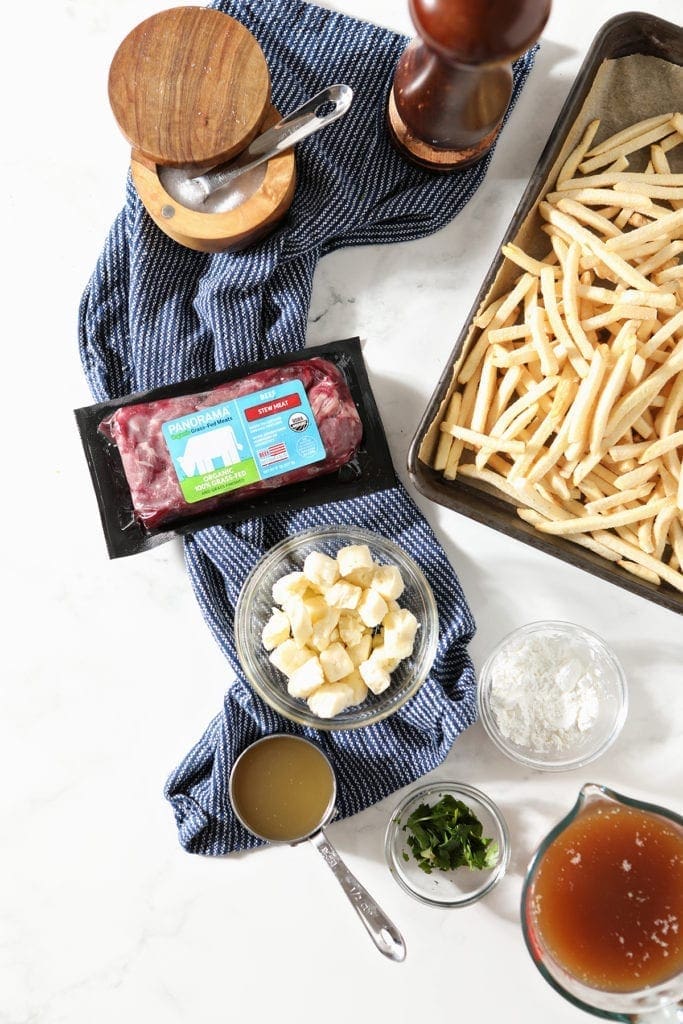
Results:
x,y
506,389
660,256
665,332
670,274
446,439
484,318
521,491
591,217
571,164
628,451
501,335
630,407
530,516
478,440
664,444
541,342
633,553
570,298
534,393
625,178
516,427
613,387
636,199
660,528
561,402
668,227
676,538
475,358
587,524
660,163
637,476
658,300
640,571
625,148
579,426
615,313
526,262
626,134
465,412
487,384
671,141
504,358
557,324
609,501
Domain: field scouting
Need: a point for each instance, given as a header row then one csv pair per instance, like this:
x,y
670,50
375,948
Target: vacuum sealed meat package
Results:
x,y
263,431
279,434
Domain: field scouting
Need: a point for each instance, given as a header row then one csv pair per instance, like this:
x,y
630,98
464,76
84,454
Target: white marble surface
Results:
x,y
103,918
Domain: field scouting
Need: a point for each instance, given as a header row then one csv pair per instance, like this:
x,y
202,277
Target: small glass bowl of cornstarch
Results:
x,y
552,696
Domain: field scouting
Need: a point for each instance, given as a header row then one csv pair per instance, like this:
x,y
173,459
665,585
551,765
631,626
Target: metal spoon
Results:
x,y
298,125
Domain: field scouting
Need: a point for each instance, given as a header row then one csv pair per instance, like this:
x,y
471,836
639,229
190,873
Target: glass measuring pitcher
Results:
x,y
602,908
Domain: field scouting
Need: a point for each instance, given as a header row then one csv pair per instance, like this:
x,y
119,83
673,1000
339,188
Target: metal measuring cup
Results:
x,y
381,930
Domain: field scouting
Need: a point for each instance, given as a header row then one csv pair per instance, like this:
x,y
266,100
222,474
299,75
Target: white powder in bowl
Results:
x,y
545,692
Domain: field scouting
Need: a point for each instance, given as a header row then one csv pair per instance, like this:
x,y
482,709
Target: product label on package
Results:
x,y
242,441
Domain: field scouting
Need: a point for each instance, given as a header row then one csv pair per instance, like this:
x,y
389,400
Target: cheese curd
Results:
x,y
337,631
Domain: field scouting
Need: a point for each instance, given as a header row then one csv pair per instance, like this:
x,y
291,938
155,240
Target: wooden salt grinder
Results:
x,y
453,83
190,87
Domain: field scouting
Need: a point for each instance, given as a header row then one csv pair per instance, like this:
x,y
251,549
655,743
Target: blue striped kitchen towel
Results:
x,y
155,312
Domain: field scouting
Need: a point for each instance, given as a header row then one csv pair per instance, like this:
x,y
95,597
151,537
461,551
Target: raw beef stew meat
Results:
x,y
137,432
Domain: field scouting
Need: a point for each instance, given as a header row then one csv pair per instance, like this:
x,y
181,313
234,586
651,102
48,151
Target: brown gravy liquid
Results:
x,y
282,788
607,900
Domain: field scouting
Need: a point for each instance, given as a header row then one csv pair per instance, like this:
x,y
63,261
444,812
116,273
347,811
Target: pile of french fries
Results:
x,y
570,397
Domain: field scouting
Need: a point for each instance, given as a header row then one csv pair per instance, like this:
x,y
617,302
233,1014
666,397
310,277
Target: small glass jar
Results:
x,y
461,886
609,682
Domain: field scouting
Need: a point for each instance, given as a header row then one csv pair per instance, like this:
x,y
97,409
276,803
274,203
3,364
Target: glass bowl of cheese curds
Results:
x,y
336,627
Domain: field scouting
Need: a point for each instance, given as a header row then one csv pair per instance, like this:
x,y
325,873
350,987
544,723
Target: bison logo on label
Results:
x,y
201,450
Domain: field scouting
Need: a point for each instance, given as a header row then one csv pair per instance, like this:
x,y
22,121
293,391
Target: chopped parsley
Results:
x,y
448,835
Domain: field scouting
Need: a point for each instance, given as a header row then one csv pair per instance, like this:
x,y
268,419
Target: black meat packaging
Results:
x,y
143,494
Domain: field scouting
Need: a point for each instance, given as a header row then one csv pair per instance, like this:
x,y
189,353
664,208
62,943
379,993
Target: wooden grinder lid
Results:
x,y
189,86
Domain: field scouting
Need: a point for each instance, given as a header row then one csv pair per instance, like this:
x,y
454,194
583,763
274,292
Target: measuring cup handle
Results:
x,y
382,931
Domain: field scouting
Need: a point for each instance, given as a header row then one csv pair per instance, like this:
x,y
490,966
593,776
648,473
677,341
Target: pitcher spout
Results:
x,y
592,793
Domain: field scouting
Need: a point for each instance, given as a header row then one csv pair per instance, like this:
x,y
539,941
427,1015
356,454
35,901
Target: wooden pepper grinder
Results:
x,y
453,83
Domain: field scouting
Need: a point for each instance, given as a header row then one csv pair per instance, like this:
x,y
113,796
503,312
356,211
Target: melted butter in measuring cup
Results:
x,y
180,185
282,788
